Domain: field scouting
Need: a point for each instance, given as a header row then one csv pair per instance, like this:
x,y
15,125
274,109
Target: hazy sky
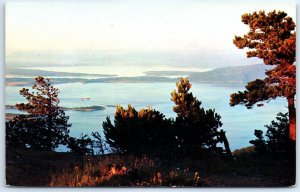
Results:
x,y
109,32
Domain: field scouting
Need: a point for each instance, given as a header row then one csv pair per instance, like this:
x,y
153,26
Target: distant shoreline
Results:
x,y
18,82
83,109
224,75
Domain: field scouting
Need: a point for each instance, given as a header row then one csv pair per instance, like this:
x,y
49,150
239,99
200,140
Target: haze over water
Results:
x,y
128,39
238,122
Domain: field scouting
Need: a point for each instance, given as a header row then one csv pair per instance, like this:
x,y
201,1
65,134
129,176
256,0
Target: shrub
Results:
x,y
277,137
81,146
143,132
259,143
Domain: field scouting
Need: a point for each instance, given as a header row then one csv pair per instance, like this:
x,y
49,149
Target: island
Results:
x,y
83,109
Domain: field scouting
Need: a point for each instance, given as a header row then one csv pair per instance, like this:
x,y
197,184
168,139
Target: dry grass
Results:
x,y
29,168
125,171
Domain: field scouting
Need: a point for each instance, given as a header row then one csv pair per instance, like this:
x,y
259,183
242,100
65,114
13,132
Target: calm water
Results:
x,y
238,122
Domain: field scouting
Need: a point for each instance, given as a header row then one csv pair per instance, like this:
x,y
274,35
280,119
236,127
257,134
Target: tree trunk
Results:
x,y
49,136
225,141
292,118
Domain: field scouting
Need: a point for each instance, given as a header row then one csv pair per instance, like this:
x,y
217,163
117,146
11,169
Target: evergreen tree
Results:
x,y
272,37
82,146
186,105
277,134
158,133
123,135
276,137
21,133
259,143
149,132
143,132
45,125
197,128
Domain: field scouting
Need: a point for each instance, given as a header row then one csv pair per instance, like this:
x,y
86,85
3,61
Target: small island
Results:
x,y
83,109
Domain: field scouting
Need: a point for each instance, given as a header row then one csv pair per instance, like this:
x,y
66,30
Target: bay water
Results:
x,y
238,122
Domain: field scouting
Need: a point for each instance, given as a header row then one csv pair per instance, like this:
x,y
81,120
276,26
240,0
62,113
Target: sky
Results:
x,y
175,33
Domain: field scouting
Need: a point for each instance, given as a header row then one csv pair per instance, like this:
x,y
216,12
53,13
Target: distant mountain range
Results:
x,y
234,74
231,74
224,74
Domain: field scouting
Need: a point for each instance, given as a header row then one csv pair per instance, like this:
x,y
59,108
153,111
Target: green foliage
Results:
x,y
149,132
259,143
81,145
45,125
122,136
25,131
197,128
157,133
277,133
277,136
186,105
143,132
256,91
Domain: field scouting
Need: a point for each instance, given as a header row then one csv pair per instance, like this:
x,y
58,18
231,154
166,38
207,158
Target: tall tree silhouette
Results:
x,y
271,37
197,128
45,125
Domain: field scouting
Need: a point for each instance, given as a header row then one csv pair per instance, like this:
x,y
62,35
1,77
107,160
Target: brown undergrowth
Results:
x,y
116,170
32,168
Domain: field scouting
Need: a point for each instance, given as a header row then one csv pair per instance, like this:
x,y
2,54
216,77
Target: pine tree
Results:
x,y
272,37
276,141
158,137
144,132
123,135
276,134
197,128
82,146
186,105
45,125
